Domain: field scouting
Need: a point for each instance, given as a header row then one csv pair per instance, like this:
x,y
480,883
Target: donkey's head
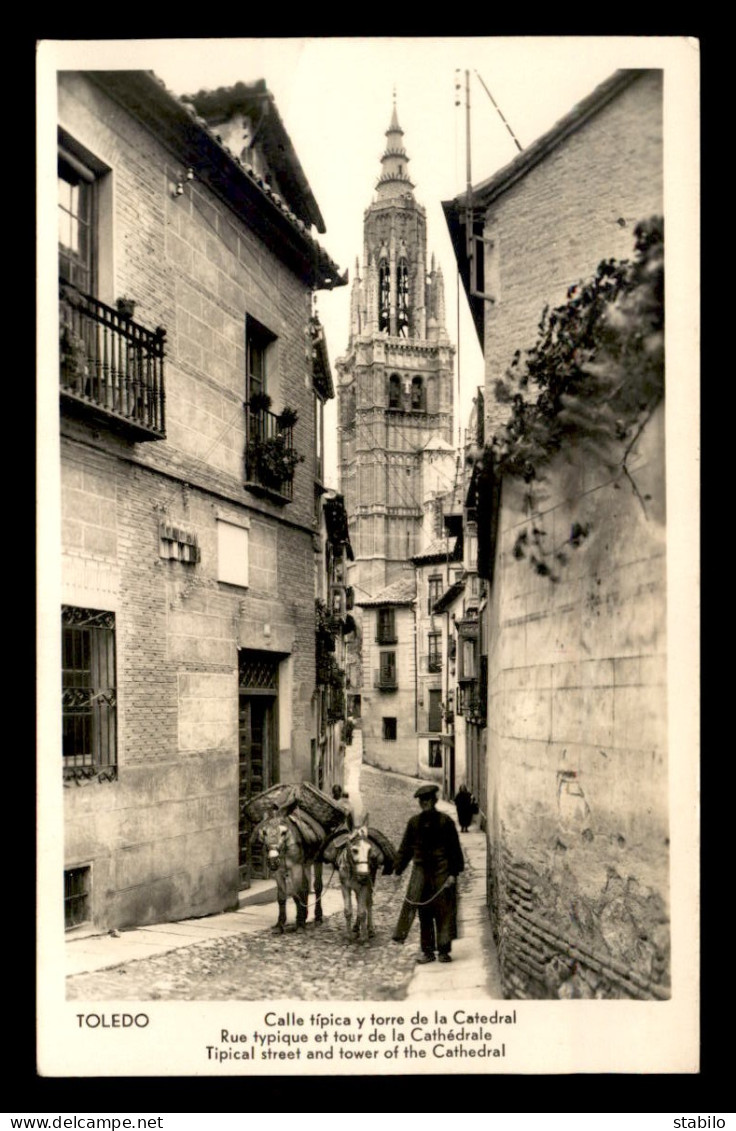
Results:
x,y
362,855
274,836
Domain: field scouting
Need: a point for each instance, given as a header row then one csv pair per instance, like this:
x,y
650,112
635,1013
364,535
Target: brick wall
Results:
x,y
162,840
578,206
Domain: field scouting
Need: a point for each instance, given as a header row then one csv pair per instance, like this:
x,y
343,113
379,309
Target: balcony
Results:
x,y
385,681
434,663
111,369
270,458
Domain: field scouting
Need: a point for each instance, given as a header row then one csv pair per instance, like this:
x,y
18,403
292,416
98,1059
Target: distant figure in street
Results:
x,y
343,802
464,806
432,846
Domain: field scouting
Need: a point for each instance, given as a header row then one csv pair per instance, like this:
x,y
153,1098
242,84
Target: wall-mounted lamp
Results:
x,y
179,186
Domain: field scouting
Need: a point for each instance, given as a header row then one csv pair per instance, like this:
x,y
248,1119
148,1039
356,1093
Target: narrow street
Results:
x,y
322,963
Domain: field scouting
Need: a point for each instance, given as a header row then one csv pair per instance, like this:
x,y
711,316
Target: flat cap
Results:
x,y
427,790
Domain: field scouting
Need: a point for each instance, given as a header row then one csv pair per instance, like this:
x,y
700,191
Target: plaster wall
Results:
x,y
577,730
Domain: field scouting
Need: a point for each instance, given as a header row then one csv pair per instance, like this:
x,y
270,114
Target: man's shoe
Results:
x,y
425,957
445,958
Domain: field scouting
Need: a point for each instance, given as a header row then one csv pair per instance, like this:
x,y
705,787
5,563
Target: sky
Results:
x,y
335,98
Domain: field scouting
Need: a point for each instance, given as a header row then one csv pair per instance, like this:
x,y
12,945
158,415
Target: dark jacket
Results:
x,y
431,841
432,846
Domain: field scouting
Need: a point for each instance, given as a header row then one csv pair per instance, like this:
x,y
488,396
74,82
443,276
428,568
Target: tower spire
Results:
x,y
394,179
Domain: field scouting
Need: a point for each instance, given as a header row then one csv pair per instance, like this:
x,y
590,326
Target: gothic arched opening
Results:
x,y
402,306
384,295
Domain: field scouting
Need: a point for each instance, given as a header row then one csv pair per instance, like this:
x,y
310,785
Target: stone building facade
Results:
x,y
190,406
576,805
395,452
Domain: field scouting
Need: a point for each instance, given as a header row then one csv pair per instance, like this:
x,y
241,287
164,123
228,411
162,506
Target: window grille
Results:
x,y
389,729
89,696
435,753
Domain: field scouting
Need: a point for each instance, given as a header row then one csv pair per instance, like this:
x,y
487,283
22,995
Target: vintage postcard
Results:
x,y
368,409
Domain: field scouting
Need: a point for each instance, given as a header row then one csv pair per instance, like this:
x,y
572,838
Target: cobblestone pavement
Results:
x,y
321,963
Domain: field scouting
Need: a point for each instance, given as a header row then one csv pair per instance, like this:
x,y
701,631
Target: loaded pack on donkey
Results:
x,y
300,828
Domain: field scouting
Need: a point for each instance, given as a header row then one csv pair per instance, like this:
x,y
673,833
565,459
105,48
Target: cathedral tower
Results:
x,y
395,382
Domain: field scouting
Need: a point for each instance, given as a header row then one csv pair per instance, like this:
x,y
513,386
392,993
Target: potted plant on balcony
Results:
x,y
126,307
273,461
72,356
287,418
260,402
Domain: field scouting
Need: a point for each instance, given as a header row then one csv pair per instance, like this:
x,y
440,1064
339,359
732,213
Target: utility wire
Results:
x,y
500,113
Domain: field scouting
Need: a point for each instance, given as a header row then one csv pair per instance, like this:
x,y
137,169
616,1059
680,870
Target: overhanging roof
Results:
x,y
187,135
449,597
487,191
401,592
256,100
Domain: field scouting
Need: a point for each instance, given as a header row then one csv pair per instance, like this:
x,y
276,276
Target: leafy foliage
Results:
x,y
597,367
274,460
592,380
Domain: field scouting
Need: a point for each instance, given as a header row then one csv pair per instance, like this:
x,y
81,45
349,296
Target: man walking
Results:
x,y
432,845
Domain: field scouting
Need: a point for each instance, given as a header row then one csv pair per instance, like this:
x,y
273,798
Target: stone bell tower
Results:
x,y
395,382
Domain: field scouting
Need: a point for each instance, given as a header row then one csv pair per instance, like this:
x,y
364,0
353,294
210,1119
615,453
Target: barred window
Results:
x,y
76,897
435,753
88,696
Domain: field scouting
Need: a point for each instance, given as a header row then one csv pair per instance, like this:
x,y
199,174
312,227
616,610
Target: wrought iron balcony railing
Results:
x,y
434,663
270,458
111,368
385,681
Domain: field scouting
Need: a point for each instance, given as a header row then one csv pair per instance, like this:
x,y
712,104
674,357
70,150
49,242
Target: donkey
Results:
x,y
357,866
292,862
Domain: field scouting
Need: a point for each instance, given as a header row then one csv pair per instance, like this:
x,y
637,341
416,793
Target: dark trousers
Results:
x,y
437,918
436,923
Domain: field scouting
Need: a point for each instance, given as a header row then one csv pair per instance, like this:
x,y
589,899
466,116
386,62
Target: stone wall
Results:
x,y
578,206
162,839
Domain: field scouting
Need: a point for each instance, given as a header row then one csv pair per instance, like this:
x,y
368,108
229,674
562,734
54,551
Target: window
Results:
x,y
387,669
89,700
232,553
434,592
386,626
417,393
435,710
467,659
434,759
76,897
319,429
257,342
434,654
85,220
76,223
394,391
389,729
